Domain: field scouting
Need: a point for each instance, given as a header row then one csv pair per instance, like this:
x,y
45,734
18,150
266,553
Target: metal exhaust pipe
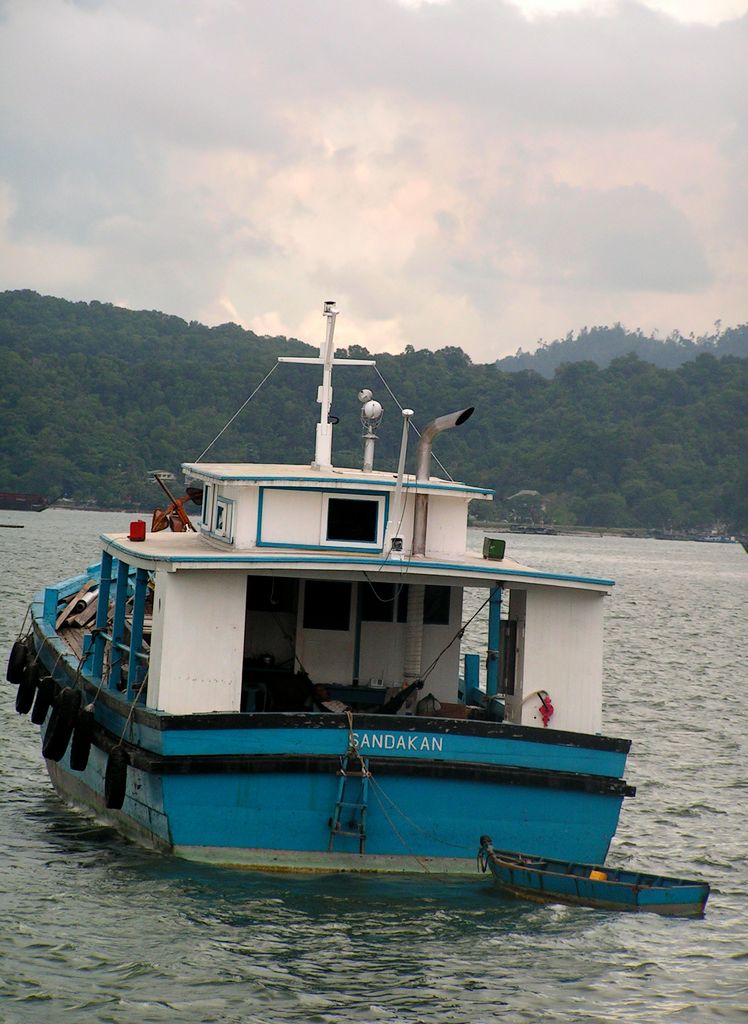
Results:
x,y
423,470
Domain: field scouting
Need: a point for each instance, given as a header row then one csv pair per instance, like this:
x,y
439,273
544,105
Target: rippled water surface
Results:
x,y
95,929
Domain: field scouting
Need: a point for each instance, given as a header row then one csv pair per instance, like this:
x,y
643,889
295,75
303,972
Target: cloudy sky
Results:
x,y
481,173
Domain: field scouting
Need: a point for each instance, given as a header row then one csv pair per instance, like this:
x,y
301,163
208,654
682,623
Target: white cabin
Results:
x,y
293,569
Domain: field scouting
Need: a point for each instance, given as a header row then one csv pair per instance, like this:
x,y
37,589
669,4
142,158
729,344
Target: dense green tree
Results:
x,y
94,397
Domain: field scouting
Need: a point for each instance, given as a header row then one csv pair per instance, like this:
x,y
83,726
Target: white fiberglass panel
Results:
x,y
290,517
197,642
446,531
562,652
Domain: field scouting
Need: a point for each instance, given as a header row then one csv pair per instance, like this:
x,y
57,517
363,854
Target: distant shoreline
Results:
x,y
605,531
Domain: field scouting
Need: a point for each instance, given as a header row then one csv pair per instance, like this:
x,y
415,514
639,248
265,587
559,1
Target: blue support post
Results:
x,y
49,613
134,673
118,624
102,612
494,624
472,677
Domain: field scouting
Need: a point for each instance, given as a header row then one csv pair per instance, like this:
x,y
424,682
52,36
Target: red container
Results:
x,y
137,529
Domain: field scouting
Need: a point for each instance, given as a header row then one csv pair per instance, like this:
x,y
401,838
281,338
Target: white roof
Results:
x,y
251,473
173,552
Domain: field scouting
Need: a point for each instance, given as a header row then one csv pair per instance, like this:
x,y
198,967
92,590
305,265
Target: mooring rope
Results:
x,y
458,635
410,422
272,369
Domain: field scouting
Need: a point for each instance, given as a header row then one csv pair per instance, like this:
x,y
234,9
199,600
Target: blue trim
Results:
x,y
260,503
227,536
369,549
196,470
406,565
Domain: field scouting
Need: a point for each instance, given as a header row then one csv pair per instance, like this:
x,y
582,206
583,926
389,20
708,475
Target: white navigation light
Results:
x,y
371,417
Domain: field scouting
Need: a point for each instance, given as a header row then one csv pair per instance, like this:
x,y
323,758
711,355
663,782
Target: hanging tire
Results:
x,y
61,724
27,689
115,779
19,657
80,748
45,693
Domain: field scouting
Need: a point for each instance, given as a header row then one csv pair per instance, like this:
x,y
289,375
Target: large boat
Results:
x,y
22,501
280,684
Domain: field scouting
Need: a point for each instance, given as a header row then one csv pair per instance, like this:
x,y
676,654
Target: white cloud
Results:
x,y
452,173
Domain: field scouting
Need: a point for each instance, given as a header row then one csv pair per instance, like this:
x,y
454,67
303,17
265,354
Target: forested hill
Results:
x,y
94,396
602,345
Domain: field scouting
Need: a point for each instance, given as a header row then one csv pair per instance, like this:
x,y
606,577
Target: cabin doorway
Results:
x,y
270,622
326,631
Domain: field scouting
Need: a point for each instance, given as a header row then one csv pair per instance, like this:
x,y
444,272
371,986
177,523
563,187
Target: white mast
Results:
x,y
323,442
323,446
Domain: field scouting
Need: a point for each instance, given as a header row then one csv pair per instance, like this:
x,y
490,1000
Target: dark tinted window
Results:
x,y
436,606
327,605
352,520
379,601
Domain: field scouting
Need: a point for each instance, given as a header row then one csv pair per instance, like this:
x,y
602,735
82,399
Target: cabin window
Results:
x,y
327,605
207,515
223,521
436,606
388,602
353,520
383,602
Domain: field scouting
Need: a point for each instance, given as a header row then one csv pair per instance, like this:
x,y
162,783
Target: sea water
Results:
x,y
93,928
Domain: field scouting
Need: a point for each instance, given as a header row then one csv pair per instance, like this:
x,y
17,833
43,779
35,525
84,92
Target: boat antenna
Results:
x,y
323,443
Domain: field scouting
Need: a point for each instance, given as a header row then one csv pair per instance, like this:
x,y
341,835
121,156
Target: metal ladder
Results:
x,y
355,826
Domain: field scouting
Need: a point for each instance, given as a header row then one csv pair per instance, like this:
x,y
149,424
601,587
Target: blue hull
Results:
x,y
264,795
261,789
283,818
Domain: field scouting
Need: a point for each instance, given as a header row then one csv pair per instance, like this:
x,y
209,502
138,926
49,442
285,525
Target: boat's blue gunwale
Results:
x,y
308,763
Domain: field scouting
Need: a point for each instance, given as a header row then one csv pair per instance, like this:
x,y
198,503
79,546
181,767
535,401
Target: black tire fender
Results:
x,y
17,662
27,689
61,724
45,693
80,748
115,779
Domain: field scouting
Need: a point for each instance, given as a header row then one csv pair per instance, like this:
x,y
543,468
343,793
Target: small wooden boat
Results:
x,y
589,885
